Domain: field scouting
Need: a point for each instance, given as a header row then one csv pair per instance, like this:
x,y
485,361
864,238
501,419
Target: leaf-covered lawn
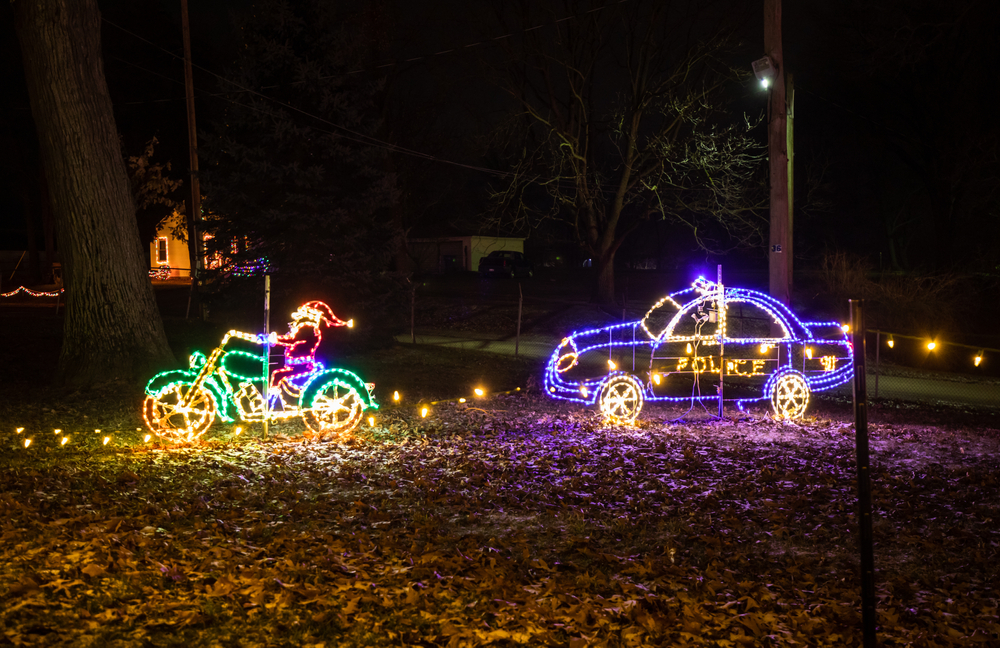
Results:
x,y
511,521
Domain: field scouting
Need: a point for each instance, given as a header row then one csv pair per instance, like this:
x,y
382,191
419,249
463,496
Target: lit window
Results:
x,y
161,249
213,258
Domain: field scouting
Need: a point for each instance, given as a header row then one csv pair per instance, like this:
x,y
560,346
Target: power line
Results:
x,y
488,41
360,138
353,135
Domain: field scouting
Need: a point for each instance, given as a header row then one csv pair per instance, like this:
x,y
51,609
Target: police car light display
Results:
x,y
700,344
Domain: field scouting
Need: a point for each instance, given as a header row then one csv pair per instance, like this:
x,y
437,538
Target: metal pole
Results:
x,y
864,477
18,264
267,352
520,300
878,348
625,298
721,305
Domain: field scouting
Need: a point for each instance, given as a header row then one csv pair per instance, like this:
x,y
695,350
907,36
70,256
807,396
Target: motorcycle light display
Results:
x,y
784,366
231,384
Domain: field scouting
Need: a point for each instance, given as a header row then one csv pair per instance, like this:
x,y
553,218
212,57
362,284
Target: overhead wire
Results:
x,y
364,139
351,134
357,137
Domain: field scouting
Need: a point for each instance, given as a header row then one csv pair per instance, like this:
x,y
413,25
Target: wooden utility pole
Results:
x,y
780,248
194,242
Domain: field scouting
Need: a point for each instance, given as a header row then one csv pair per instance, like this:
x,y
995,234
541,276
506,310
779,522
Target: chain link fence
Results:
x,y
907,368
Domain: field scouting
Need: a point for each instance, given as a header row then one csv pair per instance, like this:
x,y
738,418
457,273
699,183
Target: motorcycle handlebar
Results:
x,y
270,340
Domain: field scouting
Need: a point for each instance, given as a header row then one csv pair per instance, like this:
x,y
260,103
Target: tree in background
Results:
x,y
910,127
928,61
620,118
113,328
154,193
292,175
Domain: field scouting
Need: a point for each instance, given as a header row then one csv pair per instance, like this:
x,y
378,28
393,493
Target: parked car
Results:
x,y
504,263
702,344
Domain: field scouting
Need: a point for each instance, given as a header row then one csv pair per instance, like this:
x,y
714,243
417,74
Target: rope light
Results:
x,y
33,293
161,273
181,405
978,357
816,353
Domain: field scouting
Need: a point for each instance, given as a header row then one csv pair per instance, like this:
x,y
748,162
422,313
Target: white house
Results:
x,y
168,250
446,253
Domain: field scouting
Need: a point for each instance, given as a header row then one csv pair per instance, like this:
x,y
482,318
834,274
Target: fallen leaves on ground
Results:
x,y
513,522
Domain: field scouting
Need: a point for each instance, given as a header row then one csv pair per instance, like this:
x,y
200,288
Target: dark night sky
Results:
x,y
893,112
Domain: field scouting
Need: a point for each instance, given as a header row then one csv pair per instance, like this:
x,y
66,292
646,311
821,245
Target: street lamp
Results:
x,y
764,71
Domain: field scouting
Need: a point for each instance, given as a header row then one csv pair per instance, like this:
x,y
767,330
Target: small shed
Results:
x,y
458,253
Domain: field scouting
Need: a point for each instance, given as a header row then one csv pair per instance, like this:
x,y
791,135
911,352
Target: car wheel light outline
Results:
x,y
789,396
621,399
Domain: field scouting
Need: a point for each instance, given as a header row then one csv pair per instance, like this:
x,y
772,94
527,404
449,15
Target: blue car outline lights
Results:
x,y
785,368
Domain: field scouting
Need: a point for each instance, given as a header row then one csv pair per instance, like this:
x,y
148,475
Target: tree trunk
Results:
x,y
48,226
604,286
113,329
34,262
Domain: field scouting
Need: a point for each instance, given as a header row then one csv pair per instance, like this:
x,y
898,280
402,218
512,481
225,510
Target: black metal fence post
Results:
x,y
864,476
520,302
878,347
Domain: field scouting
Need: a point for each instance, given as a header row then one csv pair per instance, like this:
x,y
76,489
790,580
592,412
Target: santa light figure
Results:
x,y
303,338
